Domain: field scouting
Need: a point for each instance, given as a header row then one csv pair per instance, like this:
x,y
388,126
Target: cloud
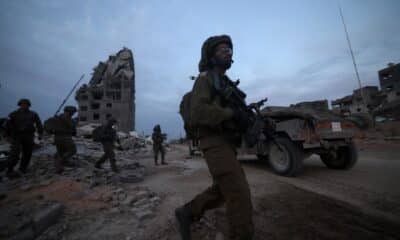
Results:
x,y
47,45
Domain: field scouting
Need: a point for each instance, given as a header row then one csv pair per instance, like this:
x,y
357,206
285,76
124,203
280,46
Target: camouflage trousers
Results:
x,y
230,187
66,149
21,143
108,148
158,149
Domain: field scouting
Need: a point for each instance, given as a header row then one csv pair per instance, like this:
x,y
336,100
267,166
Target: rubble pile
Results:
x,y
104,198
127,211
141,202
29,220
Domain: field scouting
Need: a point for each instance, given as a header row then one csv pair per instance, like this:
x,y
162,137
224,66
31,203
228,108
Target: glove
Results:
x,y
270,126
241,119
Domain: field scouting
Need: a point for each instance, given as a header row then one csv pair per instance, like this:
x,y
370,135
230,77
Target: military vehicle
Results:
x,y
301,132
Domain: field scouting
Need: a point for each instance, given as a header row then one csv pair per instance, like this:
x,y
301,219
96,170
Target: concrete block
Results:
x,y
143,215
47,217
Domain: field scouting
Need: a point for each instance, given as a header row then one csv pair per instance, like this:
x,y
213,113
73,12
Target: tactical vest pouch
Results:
x,y
185,112
53,125
98,134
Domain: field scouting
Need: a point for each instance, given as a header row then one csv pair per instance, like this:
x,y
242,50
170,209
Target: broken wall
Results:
x,y
110,92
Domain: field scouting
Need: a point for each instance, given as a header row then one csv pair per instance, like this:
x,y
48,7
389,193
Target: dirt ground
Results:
x,y
362,203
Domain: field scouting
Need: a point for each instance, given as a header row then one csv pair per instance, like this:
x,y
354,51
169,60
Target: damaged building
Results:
x,y
389,79
385,101
355,104
110,92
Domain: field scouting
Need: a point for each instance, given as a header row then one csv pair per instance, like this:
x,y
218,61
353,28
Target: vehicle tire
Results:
x,y
262,157
286,160
346,157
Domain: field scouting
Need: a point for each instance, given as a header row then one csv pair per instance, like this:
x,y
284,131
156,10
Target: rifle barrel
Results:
x,y
69,94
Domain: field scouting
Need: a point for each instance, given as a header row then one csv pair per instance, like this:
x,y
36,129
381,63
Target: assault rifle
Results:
x,y
259,127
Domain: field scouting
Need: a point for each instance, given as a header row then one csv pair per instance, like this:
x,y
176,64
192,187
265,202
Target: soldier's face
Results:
x,y
223,52
223,55
69,114
24,106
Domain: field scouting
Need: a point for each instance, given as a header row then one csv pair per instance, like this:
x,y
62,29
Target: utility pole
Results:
x,y
353,58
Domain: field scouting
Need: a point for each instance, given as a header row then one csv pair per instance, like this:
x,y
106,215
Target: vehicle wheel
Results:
x,y
346,157
287,159
262,157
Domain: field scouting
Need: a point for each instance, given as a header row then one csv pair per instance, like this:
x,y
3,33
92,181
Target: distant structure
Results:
x,y
307,107
385,101
389,79
318,105
354,103
110,92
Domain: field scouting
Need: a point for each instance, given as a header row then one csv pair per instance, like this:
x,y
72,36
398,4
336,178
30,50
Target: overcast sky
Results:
x,y
288,51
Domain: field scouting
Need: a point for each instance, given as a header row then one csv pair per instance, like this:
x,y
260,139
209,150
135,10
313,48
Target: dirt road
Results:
x,y
319,204
362,203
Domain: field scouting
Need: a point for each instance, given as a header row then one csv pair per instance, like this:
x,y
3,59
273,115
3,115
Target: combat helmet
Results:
x,y
157,128
207,50
24,100
111,121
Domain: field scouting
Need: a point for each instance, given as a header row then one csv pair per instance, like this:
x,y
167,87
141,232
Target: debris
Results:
x,y
143,215
47,217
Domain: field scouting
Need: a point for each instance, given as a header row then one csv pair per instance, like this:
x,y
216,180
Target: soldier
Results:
x,y
217,127
109,136
66,148
21,127
158,147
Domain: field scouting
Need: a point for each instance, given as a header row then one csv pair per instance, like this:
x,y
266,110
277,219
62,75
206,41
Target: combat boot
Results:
x,y
13,174
98,165
185,218
114,167
69,164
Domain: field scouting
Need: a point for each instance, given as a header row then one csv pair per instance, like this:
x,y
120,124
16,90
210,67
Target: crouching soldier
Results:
x,y
63,133
20,128
158,147
108,138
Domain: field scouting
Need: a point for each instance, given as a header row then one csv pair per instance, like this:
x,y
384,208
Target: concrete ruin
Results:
x,y
389,79
354,103
318,105
384,100
110,92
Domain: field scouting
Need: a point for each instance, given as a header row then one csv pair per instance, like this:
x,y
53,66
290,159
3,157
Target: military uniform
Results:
x,y
218,142
21,127
158,147
109,136
65,145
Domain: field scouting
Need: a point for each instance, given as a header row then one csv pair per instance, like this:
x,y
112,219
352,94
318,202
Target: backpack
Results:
x,y
53,124
185,112
98,134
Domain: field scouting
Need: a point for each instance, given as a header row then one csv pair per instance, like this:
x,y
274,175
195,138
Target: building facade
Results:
x,y
389,79
110,92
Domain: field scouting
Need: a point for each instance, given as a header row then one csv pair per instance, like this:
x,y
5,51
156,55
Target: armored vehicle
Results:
x,y
301,132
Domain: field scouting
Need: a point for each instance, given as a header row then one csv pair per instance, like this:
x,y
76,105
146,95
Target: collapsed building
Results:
x,y
354,103
389,79
110,92
385,101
